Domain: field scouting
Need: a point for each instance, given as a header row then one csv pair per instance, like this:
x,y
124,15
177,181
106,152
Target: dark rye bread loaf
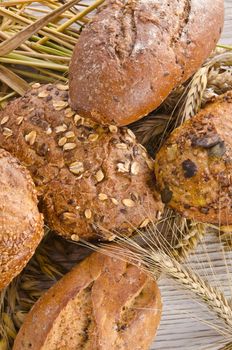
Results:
x,y
133,53
194,167
21,224
102,304
91,179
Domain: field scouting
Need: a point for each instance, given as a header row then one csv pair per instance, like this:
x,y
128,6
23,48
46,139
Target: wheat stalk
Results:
x,y
227,347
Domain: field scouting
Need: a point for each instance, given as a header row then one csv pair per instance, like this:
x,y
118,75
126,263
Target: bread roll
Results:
x,y
92,180
133,53
194,167
21,225
102,304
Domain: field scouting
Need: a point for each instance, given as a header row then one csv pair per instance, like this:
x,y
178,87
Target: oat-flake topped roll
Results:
x,y
91,179
21,224
135,52
194,167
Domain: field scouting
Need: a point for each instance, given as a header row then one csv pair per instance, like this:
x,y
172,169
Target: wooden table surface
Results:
x,y
185,322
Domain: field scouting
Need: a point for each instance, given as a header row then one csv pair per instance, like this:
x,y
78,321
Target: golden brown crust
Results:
x,y
194,167
133,53
21,225
90,178
119,308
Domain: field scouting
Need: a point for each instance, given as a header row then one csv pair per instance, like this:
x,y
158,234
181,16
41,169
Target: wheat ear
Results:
x,y
151,261
227,347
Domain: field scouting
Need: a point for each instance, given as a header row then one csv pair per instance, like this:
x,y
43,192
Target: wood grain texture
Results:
x,y
184,321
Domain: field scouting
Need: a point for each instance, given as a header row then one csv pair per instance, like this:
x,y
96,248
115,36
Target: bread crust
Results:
x,y
21,224
194,167
133,53
91,179
124,311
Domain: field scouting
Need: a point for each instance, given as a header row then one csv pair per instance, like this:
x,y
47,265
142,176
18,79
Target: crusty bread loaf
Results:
x,y
92,180
134,52
102,304
21,225
194,167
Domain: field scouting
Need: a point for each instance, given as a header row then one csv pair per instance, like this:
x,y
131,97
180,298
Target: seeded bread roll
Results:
x,y
194,167
21,225
92,180
133,53
102,304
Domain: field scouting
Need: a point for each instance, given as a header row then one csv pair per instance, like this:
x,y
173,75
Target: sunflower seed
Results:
x,y
113,128
43,94
4,120
75,238
114,201
102,196
35,85
128,203
99,175
69,134
7,132
144,223
19,120
69,146
93,137
62,87
76,168
61,128
121,146
88,214
31,137
135,168
62,141
59,105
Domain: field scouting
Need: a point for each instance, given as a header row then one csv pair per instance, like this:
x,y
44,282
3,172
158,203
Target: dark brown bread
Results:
x,y
194,167
21,225
91,179
134,52
102,304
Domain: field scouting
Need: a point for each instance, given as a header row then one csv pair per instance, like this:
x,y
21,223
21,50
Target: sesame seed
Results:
x,y
61,128
62,141
19,120
62,87
69,134
76,168
121,146
4,120
128,203
144,223
69,146
102,196
31,137
99,175
135,168
7,132
59,105
43,94
113,128
88,214
35,85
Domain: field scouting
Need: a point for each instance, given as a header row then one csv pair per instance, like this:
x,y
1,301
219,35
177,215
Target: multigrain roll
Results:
x,y
133,53
21,225
194,168
91,179
102,304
